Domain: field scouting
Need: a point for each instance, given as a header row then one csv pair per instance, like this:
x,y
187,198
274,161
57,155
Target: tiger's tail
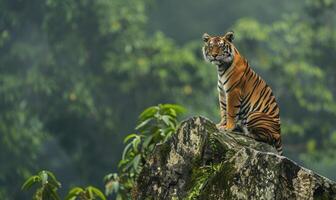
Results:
x,y
278,146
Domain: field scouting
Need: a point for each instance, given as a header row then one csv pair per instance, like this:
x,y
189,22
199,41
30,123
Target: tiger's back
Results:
x,y
245,99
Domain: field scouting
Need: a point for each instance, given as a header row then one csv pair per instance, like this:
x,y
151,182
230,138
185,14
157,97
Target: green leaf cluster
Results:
x,y
88,193
155,125
49,186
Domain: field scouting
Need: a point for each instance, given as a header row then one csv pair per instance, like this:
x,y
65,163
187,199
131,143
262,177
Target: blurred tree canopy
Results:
x,y
74,75
78,73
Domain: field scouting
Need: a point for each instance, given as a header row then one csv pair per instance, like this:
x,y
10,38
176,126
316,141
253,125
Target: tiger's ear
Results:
x,y
206,37
229,36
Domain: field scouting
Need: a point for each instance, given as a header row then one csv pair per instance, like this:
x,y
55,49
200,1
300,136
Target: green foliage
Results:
x,y
88,193
48,188
50,185
156,124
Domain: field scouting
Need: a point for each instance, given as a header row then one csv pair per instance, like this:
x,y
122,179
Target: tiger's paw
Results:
x,y
225,127
221,127
229,128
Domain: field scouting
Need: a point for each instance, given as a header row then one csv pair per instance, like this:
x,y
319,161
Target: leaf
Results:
x,y
147,141
29,182
96,192
112,176
112,186
73,193
136,161
135,143
51,175
143,124
133,163
178,109
149,112
122,163
127,167
52,179
173,112
90,192
128,137
44,177
125,151
115,186
165,119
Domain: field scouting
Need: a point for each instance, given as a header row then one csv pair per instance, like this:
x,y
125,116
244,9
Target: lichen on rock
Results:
x,y
200,162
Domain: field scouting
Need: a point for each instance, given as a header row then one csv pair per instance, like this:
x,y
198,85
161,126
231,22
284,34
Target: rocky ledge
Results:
x,y
200,162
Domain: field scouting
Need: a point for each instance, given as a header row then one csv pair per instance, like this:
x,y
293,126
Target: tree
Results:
x,y
74,76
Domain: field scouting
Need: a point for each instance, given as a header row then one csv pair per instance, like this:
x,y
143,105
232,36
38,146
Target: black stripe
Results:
x,y
228,78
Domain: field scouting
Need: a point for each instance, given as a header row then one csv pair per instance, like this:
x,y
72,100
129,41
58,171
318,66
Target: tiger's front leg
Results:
x,y
222,104
233,104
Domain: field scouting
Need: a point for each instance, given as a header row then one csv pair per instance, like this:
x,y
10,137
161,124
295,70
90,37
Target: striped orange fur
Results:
x,y
246,101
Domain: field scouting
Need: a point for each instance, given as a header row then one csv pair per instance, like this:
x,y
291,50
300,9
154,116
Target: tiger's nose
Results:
x,y
214,55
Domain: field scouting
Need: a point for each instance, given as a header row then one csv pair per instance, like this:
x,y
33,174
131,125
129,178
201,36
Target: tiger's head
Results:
x,y
219,50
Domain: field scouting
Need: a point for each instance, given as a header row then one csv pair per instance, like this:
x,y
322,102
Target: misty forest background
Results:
x,y
74,76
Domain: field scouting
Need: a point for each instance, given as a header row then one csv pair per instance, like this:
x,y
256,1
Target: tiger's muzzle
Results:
x,y
225,57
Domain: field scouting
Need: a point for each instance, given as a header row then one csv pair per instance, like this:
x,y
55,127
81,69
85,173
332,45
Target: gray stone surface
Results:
x,y
199,162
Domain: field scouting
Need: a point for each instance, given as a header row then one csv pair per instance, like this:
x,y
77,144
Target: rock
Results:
x,y
199,162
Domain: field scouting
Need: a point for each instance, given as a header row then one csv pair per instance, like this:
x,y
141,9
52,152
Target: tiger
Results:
x,y
247,103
